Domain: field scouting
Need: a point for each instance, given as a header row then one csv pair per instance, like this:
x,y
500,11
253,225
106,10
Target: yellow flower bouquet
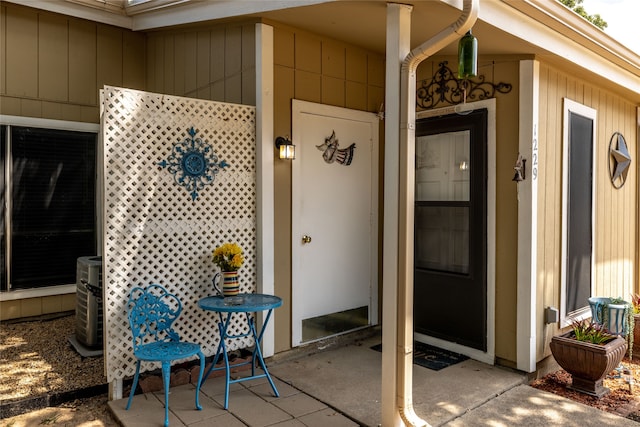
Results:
x,y
228,257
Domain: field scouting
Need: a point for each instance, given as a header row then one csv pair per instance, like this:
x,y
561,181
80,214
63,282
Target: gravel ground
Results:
x,y
624,390
37,362
91,412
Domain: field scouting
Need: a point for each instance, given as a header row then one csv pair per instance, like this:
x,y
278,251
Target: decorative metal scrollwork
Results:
x,y
444,87
193,163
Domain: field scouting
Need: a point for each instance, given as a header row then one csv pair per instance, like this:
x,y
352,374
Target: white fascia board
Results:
x,y
580,30
48,123
78,11
622,67
188,13
48,291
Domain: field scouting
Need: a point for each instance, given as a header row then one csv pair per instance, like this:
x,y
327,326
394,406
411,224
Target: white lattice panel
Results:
x,y
153,231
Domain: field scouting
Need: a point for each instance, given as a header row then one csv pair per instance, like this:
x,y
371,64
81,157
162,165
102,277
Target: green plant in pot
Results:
x,y
594,333
588,353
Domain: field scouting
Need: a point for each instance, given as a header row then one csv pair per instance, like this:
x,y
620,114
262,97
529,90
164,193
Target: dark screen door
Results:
x,y
450,299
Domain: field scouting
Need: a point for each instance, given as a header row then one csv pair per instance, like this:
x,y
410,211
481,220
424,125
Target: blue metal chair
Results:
x,y
151,313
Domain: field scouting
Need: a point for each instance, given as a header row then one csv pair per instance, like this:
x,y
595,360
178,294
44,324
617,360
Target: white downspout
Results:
x,y
404,361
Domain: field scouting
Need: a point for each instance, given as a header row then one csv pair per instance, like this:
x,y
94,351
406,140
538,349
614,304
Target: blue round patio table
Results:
x,y
249,304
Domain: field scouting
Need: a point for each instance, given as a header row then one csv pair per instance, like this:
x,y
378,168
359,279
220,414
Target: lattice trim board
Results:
x,y
154,230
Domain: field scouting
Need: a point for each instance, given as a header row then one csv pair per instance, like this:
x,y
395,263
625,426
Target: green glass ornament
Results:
x,y
467,56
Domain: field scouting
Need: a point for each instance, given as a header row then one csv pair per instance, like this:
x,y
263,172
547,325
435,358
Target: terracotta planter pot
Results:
x,y
636,336
587,363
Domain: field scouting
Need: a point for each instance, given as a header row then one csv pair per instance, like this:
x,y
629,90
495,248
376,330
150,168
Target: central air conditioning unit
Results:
x,y
89,301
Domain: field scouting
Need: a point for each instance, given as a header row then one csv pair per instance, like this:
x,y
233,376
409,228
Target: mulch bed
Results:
x,y
623,398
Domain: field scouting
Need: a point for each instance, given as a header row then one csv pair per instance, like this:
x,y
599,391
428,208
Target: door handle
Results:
x,y
306,239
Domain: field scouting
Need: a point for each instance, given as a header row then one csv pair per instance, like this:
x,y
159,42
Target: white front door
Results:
x,y
334,220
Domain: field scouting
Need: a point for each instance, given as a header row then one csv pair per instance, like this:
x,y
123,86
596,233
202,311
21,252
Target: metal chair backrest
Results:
x,y
151,313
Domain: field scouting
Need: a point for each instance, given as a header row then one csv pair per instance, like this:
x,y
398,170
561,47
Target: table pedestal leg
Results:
x,y
223,326
258,352
222,349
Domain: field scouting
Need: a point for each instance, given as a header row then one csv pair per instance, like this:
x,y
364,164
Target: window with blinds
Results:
x,y
51,216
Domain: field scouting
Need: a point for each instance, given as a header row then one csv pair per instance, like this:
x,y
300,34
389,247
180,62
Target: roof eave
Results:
x,y
561,32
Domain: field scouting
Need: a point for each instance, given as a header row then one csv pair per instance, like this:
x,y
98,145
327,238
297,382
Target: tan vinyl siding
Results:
x,y
53,58
133,57
82,63
216,63
21,61
35,307
3,48
507,113
52,66
321,70
615,210
356,88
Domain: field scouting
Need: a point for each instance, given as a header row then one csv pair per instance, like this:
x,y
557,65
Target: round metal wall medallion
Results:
x,y
193,163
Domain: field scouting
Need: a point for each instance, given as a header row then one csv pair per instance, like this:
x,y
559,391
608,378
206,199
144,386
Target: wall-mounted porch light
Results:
x,y
467,56
286,147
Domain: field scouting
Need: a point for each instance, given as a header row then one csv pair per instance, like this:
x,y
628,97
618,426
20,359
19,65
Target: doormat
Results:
x,y
431,357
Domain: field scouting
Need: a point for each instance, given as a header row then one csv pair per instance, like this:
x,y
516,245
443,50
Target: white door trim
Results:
x,y
488,356
527,218
304,107
570,106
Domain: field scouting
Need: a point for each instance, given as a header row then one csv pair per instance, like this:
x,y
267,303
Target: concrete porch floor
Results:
x,y
341,386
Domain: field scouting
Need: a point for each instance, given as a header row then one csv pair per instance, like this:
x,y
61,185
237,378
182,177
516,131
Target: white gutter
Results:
x,y
404,361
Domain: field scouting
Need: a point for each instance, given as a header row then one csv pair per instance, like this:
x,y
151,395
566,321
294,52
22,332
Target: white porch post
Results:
x,y
399,204
528,217
398,40
264,174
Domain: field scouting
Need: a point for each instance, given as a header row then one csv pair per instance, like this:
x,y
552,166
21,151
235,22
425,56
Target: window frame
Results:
x,y
572,107
19,121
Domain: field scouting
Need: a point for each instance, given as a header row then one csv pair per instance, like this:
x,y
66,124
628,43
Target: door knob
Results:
x,y
306,239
